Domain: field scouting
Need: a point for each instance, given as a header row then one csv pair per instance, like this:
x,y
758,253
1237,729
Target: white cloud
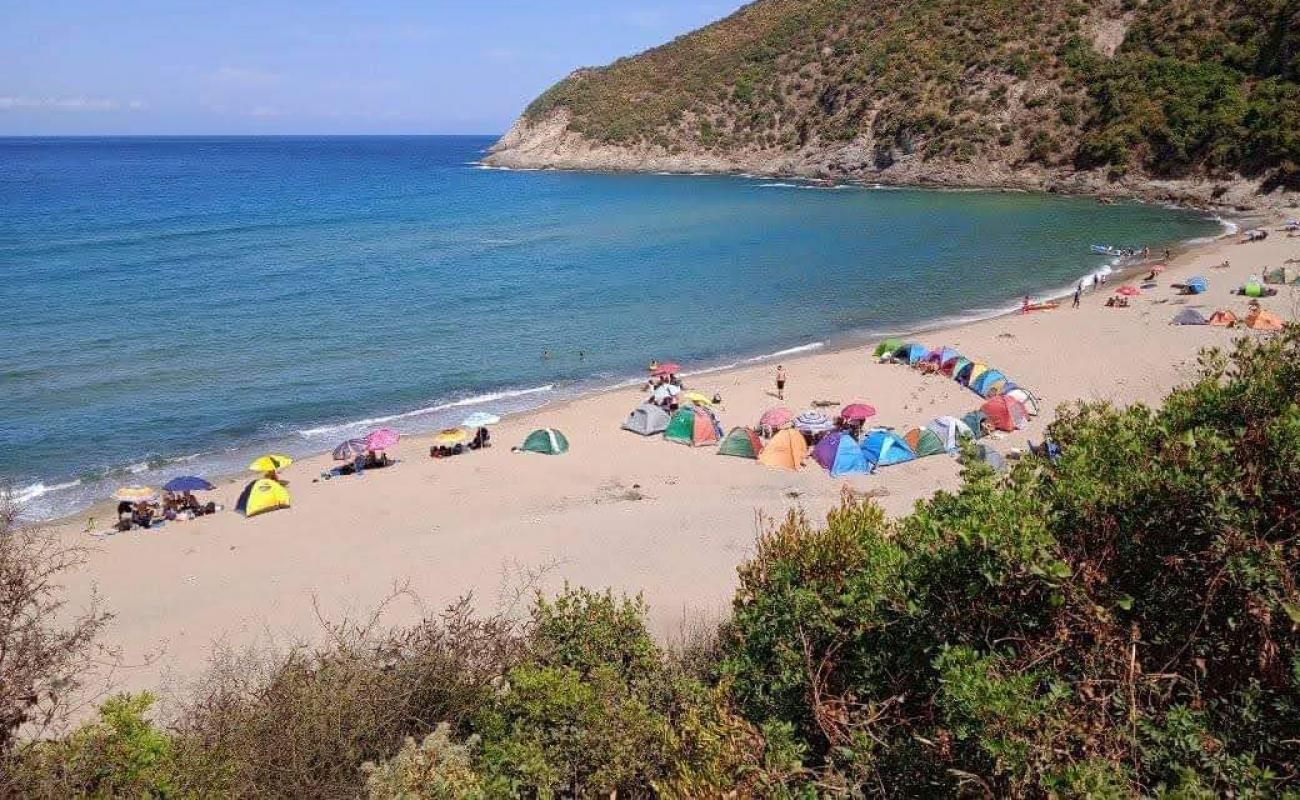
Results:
x,y
244,76
77,103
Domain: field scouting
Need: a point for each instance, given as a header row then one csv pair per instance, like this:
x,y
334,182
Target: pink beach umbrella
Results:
x,y
382,439
775,418
666,368
1128,291
857,412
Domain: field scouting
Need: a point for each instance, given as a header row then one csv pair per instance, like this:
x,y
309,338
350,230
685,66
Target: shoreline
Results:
x,y
563,394
636,515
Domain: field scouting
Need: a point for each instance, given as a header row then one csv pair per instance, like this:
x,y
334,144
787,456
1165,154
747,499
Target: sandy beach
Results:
x,y
638,515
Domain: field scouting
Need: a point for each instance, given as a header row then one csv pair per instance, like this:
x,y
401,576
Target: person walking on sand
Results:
x,y
780,382
1078,290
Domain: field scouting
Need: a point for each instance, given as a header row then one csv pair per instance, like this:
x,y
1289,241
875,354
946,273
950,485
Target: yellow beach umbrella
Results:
x,y
136,494
270,463
698,399
451,437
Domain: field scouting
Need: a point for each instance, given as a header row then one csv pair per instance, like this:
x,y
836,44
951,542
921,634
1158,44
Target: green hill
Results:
x,y
1199,90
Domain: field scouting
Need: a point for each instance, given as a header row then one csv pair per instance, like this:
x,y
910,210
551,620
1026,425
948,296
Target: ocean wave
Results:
x,y
789,351
475,400
35,490
779,185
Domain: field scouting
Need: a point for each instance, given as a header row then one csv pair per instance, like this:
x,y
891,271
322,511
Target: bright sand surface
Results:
x,y
638,515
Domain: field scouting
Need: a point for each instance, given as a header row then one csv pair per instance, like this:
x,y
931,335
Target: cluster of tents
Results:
x,y
984,380
1283,276
1257,319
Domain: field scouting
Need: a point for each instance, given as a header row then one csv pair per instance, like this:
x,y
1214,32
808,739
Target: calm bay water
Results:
x,y
173,305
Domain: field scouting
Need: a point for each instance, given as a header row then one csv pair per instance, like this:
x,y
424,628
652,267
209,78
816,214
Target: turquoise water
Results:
x,y
173,305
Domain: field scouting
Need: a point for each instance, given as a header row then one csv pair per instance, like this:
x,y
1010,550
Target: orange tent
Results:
x,y
1224,319
786,450
1005,413
1261,320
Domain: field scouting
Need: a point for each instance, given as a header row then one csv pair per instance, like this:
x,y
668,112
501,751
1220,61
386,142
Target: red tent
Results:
x,y
1005,413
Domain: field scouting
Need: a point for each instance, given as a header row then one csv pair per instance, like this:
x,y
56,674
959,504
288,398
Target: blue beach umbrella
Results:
x,y
187,483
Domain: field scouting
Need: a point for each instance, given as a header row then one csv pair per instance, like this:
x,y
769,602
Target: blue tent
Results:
x,y
883,448
1197,285
985,381
911,353
840,453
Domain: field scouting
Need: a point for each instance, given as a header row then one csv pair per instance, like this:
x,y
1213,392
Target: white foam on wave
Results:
x,y
780,185
480,399
35,490
789,351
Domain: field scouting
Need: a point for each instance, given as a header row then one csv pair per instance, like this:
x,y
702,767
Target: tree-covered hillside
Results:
x,y
1169,88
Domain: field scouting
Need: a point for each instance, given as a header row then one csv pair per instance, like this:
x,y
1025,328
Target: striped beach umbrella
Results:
x,y
136,494
813,422
349,450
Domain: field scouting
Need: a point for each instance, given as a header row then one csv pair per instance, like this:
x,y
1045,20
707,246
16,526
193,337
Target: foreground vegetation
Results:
x,y
1171,88
1122,621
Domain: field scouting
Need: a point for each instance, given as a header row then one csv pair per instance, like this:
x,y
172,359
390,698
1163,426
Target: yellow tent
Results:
x,y
261,496
787,450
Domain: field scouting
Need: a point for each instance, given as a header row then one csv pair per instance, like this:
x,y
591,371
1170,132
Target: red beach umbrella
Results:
x,y
667,368
857,412
1128,291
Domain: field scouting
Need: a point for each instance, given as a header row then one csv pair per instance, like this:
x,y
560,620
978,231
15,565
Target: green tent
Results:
x,y
888,346
924,442
547,441
1253,288
974,420
741,442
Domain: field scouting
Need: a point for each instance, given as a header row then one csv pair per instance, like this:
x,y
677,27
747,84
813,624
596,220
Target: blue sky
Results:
x,y
247,67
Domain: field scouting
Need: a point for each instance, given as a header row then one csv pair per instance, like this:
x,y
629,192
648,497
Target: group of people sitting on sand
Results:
x,y
482,438
365,461
174,506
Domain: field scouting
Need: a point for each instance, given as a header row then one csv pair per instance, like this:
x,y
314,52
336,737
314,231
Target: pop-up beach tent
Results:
x,y
954,365
547,441
261,496
1025,397
887,347
1189,316
910,353
924,442
1005,413
692,426
884,448
950,431
969,372
1223,319
742,443
989,383
786,450
975,422
841,454
647,420
938,357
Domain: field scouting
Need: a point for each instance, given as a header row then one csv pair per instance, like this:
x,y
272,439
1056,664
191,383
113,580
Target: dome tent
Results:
x,y
989,383
883,448
261,496
647,419
786,450
547,441
742,443
841,454
1026,397
950,431
1189,316
910,353
693,426
924,442
975,421
1005,413
954,365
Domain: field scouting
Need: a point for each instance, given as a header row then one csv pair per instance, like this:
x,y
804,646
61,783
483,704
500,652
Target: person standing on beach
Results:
x,y
780,382
1078,291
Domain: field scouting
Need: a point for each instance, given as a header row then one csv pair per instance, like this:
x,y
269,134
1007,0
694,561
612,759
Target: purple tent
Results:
x,y
824,452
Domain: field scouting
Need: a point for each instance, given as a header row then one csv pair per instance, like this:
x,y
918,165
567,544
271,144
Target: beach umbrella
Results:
x,y
666,368
136,494
451,437
382,439
270,463
480,419
813,422
187,483
349,450
1159,268
1128,291
775,418
699,399
665,391
857,412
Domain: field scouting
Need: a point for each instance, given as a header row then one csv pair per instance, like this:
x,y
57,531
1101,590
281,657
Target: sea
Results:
x,y
177,305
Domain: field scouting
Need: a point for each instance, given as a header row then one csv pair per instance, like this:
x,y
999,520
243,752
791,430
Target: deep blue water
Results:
x,y
171,305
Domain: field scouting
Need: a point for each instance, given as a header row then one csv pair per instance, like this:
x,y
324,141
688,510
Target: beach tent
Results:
x,y
692,426
950,431
261,496
953,366
1005,413
1282,275
1197,285
1026,398
1261,320
969,372
547,441
786,450
975,422
742,443
1253,288
989,383
991,457
924,442
776,418
883,448
938,357
910,353
841,454
813,423
887,347
1189,316
646,419
1223,319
